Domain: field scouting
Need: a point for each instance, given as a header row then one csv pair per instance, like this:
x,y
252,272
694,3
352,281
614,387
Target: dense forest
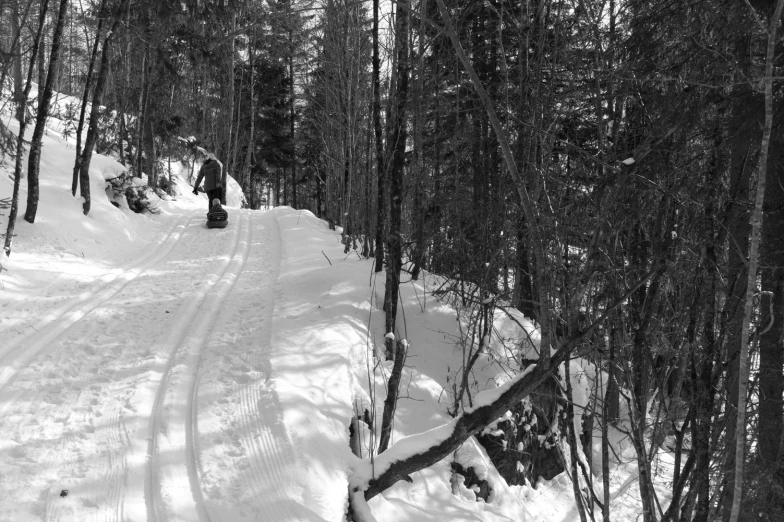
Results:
x,y
614,169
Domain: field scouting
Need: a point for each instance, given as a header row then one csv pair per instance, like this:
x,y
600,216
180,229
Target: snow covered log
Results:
x,y
420,451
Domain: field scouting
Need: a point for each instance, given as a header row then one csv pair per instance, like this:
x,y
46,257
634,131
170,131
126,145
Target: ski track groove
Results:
x,y
57,323
165,431
247,393
267,453
163,480
106,278
102,486
270,452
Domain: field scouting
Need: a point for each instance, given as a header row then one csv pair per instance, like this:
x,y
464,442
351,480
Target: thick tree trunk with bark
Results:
x,y
85,99
41,63
705,353
397,145
229,110
143,112
150,154
771,341
92,129
247,185
20,142
34,159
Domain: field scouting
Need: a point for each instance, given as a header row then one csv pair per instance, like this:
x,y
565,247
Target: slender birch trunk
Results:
x,y
379,254
230,111
572,436
20,140
291,108
756,229
85,98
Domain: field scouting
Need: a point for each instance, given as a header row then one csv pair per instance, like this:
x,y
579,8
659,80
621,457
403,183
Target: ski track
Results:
x,y
74,408
171,481
33,328
240,421
179,423
54,324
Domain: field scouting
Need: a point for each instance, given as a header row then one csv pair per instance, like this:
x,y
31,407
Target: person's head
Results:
x,y
216,202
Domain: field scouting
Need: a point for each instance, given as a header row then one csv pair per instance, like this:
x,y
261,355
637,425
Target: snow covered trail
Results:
x,y
53,317
150,396
57,318
239,411
172,488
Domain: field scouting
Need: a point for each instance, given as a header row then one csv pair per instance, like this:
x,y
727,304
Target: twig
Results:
x,y
325,255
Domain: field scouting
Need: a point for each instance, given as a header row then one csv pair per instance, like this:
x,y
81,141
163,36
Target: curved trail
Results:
x,y
75,395
57,322
171,481
240,422
153,397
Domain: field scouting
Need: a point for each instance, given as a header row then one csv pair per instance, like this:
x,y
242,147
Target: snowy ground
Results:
x,y
161,371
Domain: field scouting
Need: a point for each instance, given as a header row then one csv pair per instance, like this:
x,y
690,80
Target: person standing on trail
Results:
x,y
211,173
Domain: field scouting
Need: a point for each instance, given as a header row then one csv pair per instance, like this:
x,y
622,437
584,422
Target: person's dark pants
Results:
x,y
212,194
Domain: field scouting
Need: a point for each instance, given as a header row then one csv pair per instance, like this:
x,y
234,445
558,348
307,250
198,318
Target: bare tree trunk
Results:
x,y
398,146
277,187
746,119
142,114
610,414
148,137
292,112
247,183
20,142
379,254
16,45
124,131
34,159
572,437
756,228
418,211
42,58
771,425
92,129
85,98
230,111
44,99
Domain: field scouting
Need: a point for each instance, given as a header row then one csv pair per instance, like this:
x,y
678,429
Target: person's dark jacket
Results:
x,y
210,172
